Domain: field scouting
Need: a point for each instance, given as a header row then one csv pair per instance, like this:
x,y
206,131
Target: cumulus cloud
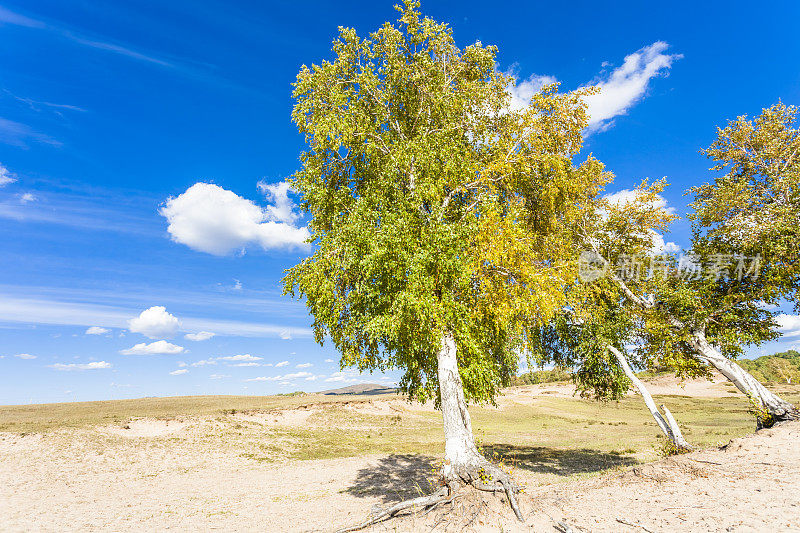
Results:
x,y
154,348
178,372
628,84
523,91
27,197
282,208
204,362
155,323
210,219
626,196
218,376
789,325
97,330
329,361
199,336
6,176
96,365
282,363
25,356
304,365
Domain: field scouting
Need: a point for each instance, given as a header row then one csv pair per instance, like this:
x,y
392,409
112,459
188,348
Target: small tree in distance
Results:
x,y
444,222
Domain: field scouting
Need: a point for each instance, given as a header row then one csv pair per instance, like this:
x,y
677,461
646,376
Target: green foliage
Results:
x,y
783,367
435,207
535,377
754,207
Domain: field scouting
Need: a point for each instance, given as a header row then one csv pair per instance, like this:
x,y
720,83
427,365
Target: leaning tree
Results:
x,y
443,220
709,304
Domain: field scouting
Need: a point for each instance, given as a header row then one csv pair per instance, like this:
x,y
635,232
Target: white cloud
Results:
x,y
246,364
96,365
329,361
218,376
178,372
155,323
199,336
97,330
204,362
282,363
242,357
56,312
27,197
304,365
788,325
285,377
282,208
217,221
286,335
154,348
627,84
523,91
626,196
25,356
6,176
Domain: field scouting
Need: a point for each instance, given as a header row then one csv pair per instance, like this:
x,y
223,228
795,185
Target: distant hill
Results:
x,y
362,388
781,367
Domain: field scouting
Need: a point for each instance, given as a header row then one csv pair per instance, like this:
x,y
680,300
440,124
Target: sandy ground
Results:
x,y
136,478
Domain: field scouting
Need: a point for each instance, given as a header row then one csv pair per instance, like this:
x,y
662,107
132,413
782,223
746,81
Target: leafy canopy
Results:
x,y
434,206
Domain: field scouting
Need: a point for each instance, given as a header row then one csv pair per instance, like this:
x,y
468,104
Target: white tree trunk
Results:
x,y
777,407
461,456
666,422
463,463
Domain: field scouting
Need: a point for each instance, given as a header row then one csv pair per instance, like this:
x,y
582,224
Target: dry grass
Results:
x,y
555,437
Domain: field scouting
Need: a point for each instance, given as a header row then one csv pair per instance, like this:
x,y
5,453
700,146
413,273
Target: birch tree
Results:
x,y
711,303
444,222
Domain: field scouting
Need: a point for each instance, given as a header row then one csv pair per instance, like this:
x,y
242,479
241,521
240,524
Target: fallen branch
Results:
x,y
424,502
634,524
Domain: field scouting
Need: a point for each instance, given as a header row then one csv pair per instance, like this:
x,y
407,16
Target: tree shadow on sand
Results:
x,y
399,477
396,477
544,460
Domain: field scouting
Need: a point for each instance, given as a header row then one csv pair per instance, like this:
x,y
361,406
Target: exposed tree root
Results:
x,y
488,478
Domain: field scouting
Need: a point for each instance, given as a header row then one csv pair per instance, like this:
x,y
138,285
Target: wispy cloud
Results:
x,y
96,330
25,356
18,134
627,84
178,372
619,91
36,105
97,365
18,310
6,176
9,17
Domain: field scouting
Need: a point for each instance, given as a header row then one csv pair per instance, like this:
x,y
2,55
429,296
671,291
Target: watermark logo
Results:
x,y
592,266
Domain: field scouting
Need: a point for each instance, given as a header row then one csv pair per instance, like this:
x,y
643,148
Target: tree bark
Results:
x,y
461,456
463,463
776,408
666,422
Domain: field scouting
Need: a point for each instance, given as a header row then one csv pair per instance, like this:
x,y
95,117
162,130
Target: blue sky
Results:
x,y
108,110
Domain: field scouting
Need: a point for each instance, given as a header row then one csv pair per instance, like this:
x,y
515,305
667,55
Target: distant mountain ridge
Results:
x,y
361,388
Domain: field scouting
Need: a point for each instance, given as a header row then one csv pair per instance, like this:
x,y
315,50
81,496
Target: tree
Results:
x,y
743,258
592,337
444,221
